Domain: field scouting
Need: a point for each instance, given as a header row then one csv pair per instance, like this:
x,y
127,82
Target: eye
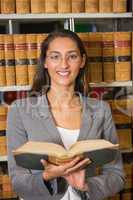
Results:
x,y
54,57
73,56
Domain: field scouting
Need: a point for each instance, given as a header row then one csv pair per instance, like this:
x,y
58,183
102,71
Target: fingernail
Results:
x,y
41,160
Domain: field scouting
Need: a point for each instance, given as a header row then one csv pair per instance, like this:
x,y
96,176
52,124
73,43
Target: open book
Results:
x,y
99,151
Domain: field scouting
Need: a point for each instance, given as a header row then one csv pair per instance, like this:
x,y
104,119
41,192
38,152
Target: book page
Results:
x,y
43,148
90,145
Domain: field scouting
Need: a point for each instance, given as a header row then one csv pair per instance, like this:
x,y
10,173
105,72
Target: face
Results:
x,y
63,62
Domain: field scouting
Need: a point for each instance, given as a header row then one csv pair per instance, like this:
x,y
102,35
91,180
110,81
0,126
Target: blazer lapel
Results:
x,y
47,120
87,120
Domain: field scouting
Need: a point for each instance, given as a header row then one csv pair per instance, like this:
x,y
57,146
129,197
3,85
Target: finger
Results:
x,y
44,163
71,163
80,165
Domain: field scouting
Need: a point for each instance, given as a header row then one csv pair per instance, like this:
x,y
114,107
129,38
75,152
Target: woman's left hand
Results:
x,y
77,180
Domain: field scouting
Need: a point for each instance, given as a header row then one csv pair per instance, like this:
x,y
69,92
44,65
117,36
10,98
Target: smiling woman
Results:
x,y
63,62
60,112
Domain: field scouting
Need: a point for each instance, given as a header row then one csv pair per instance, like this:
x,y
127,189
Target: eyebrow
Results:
x,y
71,51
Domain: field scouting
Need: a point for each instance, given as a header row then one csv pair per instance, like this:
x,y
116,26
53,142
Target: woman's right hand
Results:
x,y
52,171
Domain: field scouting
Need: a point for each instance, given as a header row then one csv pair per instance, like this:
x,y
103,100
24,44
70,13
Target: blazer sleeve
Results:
x,y
111,179
25,183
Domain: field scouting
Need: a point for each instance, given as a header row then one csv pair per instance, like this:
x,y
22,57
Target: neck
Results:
x,y
63,97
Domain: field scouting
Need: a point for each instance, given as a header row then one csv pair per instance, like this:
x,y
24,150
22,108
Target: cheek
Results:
x,y
50,68
76,69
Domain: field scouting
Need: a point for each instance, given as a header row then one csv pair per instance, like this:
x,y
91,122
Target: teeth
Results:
x,y
63,73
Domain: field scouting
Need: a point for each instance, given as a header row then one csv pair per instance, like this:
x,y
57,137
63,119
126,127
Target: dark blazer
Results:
x,y
30,119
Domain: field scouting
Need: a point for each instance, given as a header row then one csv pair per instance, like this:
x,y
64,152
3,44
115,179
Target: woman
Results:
x,y
60,112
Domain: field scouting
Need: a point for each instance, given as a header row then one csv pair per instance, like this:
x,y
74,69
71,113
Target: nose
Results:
x,y
64,63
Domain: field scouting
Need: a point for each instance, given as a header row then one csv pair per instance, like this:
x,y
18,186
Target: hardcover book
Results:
x,y
99,151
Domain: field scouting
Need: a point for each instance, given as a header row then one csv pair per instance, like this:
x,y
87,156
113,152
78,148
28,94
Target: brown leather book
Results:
x,y
105,6
37,6
22,6
99,151
31,40
21,61
9,60
91,6
78,6
7,6
2,62
51,6
64,6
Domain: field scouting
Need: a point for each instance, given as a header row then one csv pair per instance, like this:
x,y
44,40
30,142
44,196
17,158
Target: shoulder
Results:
x,y
27,104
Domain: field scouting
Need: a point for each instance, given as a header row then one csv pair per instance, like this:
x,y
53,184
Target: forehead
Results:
x,y
62,43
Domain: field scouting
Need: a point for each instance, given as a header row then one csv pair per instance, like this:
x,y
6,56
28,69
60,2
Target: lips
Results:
x,y
63,73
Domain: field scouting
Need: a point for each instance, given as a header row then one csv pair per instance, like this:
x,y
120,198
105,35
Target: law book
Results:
x,y
91,6
105,6
9,60
37,6
95,57
31,41
7,6
2,62
64,6
99,151
122,55
21,63
108,57
78,6
51,6
22,6
119,6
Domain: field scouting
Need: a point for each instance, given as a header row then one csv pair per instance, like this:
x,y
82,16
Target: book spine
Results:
x,y
3,116
91,6
122,52
22,6
31,40
78,6
125,138
120,6
9,60
7,6
21,59
105,6
51,6
7,190
95,57
40,39
128,169
37,6
108,57
2,62
64,6
129,5
3,146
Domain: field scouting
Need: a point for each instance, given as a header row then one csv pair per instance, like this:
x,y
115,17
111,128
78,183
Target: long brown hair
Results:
x,y
41,81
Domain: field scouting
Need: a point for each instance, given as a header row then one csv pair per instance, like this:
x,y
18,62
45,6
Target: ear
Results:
x,y
83,61
45,66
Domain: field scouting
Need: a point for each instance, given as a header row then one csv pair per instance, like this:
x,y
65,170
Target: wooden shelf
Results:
x,y
61,16
102,84
3,158
112,84
127,150
15,88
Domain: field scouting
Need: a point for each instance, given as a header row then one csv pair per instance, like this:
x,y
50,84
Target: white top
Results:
x,y
69,137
